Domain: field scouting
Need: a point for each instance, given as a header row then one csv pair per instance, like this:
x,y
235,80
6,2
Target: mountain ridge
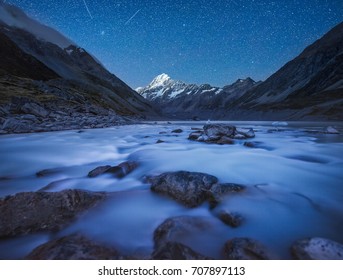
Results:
x,y
69,83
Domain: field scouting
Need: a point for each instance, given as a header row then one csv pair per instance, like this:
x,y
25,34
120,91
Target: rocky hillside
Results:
x,y
308,87
181,100
47,84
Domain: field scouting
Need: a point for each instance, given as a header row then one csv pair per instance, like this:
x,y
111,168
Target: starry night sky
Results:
x,y
202,41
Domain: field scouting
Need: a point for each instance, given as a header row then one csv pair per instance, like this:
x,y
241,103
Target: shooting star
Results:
x,y
128,21
84,1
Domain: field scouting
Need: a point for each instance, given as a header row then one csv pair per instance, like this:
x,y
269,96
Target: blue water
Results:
x,y
294,183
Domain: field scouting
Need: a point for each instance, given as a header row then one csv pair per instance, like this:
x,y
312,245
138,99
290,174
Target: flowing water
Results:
x,y
294,183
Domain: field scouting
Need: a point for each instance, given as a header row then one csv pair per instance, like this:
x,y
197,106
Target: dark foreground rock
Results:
x,y
192,188
118,171
175,228
176,251
232,219
245,249
73,247
189,188
217,191
30,212
221,134
317,249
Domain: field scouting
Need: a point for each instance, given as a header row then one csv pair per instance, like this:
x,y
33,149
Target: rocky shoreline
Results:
x,y
58,121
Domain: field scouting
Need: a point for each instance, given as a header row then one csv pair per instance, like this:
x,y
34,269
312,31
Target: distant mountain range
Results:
x,y
181,100
310,87
46,79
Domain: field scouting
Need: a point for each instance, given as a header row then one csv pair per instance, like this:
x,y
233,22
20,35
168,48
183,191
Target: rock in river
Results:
x,y
317,249
232,219
189,188
175,228
118,171
221,134
246,249
217,191
30,212
176,251
73,247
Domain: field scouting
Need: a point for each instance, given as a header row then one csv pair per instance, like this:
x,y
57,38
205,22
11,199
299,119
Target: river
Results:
x,y
294,183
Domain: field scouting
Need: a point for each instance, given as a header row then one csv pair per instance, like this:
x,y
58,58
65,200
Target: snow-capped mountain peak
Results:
x,y
160,80
15,17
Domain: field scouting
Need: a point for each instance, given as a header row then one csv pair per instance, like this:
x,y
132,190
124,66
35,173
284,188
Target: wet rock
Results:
x,y
218,130
48,172
176,251
118,171
159,141
177,130
163,132
331,130
245,249
98,171
195,135
188,188
220,134
217,191
246,132
128,166
317,249
30,212
175,228
73,247
232,219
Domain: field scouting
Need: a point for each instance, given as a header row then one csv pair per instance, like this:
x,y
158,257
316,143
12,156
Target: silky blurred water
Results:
x,y
294,183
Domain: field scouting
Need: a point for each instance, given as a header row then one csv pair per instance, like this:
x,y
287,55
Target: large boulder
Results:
x,y
30,212
175,228
221,134
176,251
245,249
317,249
188,188
216,131
73,247
245,132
